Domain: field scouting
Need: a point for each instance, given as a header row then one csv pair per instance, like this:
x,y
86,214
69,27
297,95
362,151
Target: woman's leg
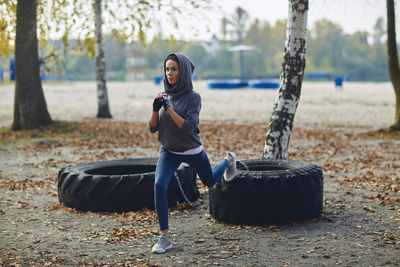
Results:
x,y
202,166
166,166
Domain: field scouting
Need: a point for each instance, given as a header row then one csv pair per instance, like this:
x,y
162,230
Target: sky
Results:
x,y
351,15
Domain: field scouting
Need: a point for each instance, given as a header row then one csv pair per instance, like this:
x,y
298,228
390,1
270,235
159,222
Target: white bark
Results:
x,y
102,96
281,121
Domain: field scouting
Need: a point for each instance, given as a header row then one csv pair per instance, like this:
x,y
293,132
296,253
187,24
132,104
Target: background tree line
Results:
x,y
361,55
30,113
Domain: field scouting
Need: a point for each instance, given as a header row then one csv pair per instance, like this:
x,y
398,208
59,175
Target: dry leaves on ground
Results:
x,y
339,150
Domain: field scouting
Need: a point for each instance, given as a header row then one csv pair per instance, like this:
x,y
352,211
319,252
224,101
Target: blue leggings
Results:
x,y
167,164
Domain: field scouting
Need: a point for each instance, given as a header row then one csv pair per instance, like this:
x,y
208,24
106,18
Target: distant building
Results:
x,y
135,63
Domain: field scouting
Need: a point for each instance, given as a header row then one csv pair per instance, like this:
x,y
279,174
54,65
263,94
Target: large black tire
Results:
x,y
271,192
120,185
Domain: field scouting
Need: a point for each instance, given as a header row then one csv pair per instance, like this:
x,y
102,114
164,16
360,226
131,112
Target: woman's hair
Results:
x,y
172,57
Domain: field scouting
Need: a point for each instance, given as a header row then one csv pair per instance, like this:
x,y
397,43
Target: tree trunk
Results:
x,y
291,77
393,61
30,109
102,96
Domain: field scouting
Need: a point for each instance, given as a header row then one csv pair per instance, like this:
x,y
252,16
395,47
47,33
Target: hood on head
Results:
x,y
184,83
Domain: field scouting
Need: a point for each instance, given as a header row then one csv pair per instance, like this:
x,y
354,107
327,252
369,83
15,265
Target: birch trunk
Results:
x,y
102,96
393,60
30,109
291,77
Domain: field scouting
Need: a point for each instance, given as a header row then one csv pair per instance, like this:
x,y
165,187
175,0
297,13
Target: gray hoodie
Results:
x,y
187,104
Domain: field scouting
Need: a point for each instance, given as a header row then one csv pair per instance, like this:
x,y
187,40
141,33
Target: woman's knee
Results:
x,y
160,186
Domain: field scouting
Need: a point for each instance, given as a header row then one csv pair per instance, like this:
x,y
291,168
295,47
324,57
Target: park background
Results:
x,y
337,128
343,39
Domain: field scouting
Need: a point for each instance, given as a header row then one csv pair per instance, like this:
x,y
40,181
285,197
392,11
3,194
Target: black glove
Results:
x,y
157,104
166,102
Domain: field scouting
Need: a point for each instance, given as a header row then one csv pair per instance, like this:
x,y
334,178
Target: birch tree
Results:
x,y
291,77
393,60
102,95
126,20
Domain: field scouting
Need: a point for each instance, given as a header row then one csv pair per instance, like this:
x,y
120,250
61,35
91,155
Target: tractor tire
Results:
x,y
269,192
120,185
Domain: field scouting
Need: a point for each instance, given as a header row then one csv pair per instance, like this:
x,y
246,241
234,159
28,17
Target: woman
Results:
x,y
178,133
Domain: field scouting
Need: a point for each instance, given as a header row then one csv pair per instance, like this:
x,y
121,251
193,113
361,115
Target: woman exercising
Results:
x,y
175,116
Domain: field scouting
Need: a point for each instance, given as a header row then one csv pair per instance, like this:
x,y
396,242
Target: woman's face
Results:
x,y
172,71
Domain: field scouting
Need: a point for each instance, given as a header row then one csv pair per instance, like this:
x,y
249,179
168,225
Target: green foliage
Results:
x,y
114,55
269,42
7,25
328,50
125,20
197,53
157,50
361,55
80,67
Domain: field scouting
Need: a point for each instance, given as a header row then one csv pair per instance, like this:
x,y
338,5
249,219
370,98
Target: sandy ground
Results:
x,y
363,104
360,225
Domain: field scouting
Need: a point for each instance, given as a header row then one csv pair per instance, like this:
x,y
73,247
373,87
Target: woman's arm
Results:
x,y
153,119
190,122
175,117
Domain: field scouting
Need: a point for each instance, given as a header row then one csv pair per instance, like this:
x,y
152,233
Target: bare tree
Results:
x,y
224,28
393,60
238,22
291,77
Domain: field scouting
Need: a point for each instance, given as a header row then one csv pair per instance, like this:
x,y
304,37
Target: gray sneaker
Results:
x,y
163,244
231,170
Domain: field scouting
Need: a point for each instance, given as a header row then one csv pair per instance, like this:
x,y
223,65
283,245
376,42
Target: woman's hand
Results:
x,y
166,102
157,104
158,101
